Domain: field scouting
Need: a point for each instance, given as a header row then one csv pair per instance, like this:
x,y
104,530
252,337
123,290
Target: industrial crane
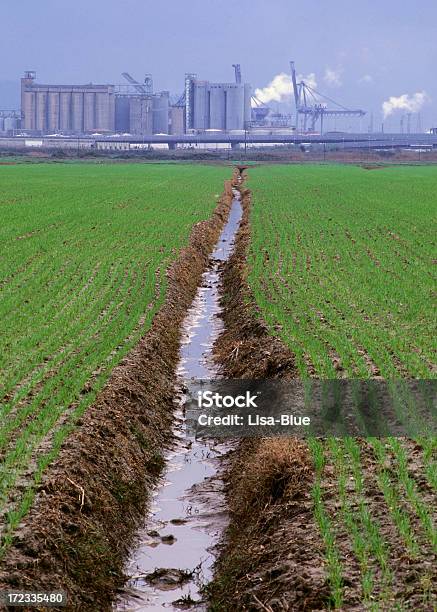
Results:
x,y
310,103
145,89
237,68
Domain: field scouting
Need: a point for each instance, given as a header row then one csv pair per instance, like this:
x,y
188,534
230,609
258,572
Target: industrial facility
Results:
x,y
132,108
131,115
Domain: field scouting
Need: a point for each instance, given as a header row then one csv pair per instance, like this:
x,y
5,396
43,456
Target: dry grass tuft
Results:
x,y
266,471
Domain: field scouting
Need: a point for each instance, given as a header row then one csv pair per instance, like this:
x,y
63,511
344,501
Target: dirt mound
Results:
x,y
93,497
246,349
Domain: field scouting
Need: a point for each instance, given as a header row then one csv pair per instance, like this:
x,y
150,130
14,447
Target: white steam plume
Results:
x,y
280,88
411,104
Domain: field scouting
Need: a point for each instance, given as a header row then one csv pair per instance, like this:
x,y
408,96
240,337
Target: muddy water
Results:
x,y
175,551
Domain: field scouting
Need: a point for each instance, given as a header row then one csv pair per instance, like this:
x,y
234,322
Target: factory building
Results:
x,y
139,114
87,109
107,109
218,106
66,108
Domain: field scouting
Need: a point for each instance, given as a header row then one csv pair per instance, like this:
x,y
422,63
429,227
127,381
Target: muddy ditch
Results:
x,y
93,499
175,551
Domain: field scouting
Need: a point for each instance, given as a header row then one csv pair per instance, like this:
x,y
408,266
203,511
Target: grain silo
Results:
x,y
53,111
200,107
217,107
177,120
102,111
89,107
160,106
66,108
77,104
122,112
140,115
234,94
65,111
41,110
220,106
28,107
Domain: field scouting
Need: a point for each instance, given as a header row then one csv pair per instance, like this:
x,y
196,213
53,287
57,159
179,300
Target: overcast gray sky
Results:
x,y
361,53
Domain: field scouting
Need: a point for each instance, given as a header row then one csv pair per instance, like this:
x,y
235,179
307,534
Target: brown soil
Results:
x,y
272,558
93,497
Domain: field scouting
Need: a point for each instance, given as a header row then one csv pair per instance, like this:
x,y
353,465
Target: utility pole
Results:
x,y
295,92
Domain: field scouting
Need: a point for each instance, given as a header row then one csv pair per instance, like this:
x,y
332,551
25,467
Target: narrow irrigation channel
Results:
x,y
175,551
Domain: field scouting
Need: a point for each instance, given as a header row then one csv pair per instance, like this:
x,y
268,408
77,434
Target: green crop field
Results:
x,y
84,250
341,265
342,260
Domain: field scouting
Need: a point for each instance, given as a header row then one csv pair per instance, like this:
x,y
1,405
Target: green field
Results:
x,y
85,248
341,265
341,262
